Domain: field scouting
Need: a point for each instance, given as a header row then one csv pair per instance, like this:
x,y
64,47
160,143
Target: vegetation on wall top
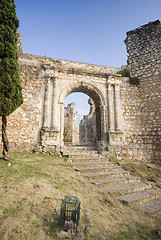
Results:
x,y
133,80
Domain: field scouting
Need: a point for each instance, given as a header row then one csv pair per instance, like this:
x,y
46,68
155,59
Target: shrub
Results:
x,y
124,72
133,80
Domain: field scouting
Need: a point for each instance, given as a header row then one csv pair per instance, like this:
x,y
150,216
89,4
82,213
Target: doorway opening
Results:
x,y
79,120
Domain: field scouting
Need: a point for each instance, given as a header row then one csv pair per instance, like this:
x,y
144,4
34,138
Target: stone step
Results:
x,y
117,180
81,151
128,188
80,148
99,175
140,197
91,164
153,206
88,155
86,159
113,179
96,169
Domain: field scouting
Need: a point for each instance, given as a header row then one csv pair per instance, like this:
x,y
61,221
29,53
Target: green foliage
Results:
x,y
133,80
65,159
124,72
10,88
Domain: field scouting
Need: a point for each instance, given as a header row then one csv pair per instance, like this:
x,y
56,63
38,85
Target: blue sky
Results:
x,y
91,31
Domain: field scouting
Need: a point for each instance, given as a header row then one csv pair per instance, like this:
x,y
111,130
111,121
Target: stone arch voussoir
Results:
x,y
90,89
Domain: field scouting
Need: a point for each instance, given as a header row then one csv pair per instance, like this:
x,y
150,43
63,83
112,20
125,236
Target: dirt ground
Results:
x,y
31,192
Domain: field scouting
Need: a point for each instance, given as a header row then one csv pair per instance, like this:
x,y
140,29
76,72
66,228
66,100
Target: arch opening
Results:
x,y
100,111
79,120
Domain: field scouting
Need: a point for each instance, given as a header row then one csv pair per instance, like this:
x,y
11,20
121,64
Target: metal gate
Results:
x,y
80,131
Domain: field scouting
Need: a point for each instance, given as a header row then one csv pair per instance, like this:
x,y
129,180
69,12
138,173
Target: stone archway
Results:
x,y
100,104
103,88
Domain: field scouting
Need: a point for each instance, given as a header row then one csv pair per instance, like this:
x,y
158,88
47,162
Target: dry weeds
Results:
x,y
32,189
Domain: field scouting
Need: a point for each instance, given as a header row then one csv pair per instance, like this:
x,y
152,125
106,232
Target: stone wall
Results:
x,y
143,49
128,116
24,124
141,104
41,79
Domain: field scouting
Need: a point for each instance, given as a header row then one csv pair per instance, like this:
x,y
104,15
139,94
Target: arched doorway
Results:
x,y
101,111
106,97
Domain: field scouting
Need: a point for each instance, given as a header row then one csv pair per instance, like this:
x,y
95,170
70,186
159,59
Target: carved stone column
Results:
x,y
45,123
111,108
54,111
61,124
101,128
117,108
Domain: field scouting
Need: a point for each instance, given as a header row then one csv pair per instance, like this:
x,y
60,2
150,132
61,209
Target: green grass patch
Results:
x,y
27,165
147,171
140,232
11,210
60,185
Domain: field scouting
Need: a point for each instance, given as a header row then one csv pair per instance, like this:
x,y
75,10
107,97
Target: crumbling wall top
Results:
x,y
149,25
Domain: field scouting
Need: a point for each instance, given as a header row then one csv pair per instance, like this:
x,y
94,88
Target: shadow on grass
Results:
x,y
6,160
52,224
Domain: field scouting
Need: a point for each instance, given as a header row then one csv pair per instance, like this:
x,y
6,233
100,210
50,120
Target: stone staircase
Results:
x,y
111,178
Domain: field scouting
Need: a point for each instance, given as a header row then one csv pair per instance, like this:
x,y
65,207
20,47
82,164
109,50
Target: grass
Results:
x,y
142,232
31,192
10,210
147,171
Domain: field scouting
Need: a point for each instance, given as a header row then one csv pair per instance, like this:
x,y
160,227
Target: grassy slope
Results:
x,y
147,171
32,189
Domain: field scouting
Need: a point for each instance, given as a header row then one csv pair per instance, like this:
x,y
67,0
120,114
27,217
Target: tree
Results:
x,y
10,89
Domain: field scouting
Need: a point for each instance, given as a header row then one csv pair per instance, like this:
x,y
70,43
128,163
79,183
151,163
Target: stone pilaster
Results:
x,y
61,123
103,140
54,111
117,107
115,134
111,108
45,123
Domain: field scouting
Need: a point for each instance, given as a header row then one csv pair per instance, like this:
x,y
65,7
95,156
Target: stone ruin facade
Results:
x,y
128,117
